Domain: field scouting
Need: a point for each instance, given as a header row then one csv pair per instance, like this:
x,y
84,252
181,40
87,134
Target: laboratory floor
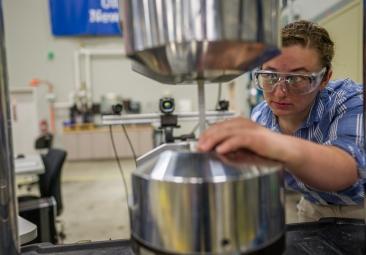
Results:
x,y
94,201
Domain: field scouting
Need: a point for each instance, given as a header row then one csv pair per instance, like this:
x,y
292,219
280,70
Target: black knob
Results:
x,y
117,108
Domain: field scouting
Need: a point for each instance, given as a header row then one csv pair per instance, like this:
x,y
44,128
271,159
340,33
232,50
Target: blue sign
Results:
x,y
84,17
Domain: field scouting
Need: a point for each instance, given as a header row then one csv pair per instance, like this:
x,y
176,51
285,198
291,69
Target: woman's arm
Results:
x,y
323,167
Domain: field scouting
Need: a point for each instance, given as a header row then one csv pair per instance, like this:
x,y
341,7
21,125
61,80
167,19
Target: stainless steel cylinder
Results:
x,y
9,243
181,41
198,203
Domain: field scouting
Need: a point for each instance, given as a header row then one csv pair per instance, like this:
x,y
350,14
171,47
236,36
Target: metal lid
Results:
x,y
194,167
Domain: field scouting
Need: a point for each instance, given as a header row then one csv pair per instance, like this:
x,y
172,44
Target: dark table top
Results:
x,y
327,237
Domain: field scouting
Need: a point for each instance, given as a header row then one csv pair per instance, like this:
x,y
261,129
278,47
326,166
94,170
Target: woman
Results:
x,y
311,124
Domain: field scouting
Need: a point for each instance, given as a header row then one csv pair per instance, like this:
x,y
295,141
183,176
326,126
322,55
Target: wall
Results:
x,y
346,29
307,10
343,20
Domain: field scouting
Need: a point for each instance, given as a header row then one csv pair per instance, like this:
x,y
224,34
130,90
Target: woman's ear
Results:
x,y
326,78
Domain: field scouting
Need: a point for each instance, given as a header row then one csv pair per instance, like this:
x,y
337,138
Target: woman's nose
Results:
x,y
280,89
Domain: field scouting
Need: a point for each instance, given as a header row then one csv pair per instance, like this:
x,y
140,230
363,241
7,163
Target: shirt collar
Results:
x,y
274,123
315,115
317,109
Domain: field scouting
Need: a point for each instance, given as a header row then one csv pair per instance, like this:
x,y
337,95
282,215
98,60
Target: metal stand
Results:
x,y
201,105
9,240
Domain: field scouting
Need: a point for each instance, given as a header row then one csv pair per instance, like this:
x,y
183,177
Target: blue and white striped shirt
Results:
x,y
336,118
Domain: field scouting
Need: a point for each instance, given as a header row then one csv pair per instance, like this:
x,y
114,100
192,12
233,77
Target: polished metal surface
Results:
x,y
182,146
201,203
277,247
201,106
181,41
9,241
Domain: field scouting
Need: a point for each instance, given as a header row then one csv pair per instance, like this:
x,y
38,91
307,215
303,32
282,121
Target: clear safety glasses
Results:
x,y
295,83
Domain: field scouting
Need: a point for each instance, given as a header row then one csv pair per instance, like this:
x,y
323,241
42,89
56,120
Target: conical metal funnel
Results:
x,y
181,41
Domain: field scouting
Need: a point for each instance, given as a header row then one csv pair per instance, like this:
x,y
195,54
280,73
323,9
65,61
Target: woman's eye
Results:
x,y
292,80
271,78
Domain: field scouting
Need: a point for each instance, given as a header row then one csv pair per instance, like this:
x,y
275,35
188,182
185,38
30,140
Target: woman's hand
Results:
x,y
240,133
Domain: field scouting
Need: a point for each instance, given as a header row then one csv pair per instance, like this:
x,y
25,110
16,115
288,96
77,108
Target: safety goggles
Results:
x,y
295,83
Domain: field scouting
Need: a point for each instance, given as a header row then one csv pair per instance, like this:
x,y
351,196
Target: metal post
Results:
x,y
9,240
201,105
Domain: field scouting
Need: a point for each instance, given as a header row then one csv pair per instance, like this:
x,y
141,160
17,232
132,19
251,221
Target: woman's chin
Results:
x,y
282,112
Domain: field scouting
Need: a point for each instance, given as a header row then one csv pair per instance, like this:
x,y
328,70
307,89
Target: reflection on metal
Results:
x,y
176,42
201,203
183,146
9,243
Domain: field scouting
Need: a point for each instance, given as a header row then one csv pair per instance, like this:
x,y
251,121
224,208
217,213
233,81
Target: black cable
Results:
x,y
219,92
130,144
120,169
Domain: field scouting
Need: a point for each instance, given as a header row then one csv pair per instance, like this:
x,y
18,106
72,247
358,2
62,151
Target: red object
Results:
x,y
34,82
